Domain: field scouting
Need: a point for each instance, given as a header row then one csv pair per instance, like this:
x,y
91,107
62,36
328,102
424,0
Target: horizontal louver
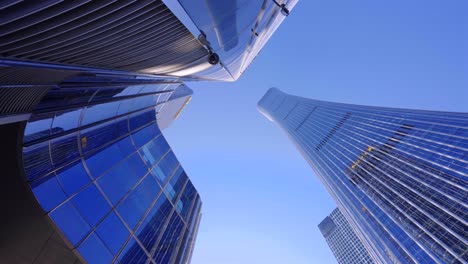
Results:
x,y
126,35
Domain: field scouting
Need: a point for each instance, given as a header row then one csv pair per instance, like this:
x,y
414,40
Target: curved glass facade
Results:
x,y
236,30
399,176
100,168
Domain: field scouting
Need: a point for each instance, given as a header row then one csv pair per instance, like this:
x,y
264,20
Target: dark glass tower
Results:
x,y
86,87
399,176
342,240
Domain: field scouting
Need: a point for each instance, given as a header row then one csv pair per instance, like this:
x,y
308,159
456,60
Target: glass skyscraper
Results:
x,y
399,176
342,240
86,87
105,175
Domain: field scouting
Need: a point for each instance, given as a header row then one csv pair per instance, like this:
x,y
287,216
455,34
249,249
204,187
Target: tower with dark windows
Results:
x,y
398,176
342,240
86,87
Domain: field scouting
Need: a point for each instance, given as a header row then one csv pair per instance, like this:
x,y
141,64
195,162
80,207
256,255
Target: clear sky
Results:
x,y
261,201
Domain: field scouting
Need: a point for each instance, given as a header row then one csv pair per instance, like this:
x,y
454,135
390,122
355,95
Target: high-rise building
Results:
x,y
342,240
86,87
399,176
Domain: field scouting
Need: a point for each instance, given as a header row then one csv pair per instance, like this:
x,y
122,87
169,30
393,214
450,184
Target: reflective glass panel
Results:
x,y
48,192
118,181
70,222
73,177
94,250
91,204
113,233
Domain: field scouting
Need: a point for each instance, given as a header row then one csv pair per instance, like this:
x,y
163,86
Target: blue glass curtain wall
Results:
x,y
398,175
109,181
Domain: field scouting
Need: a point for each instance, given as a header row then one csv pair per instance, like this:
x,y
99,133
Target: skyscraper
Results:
x,y
398,176
342,240
86,87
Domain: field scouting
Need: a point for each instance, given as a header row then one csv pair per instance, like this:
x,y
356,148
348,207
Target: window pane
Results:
x,y
153,224
94,251
91,204
67,218
154,150
145,135
165,167
136,204
36,160
126,146
177,182
137,165
48,192
73,178
65,120
98,136
140,120
169,240
132,254
103,160
113,233
64,150
118,181
38,127
100,112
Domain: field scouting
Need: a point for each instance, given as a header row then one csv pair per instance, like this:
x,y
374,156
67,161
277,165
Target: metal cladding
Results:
x,y
124,35
85,89
399,176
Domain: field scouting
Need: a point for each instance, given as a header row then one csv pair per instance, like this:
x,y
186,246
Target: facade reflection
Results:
x,y
398,176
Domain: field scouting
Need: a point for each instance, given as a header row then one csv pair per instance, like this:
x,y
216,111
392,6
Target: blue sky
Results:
x,y
261,201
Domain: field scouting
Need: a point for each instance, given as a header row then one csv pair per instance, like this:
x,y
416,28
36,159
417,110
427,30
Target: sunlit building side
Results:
x,y
399,176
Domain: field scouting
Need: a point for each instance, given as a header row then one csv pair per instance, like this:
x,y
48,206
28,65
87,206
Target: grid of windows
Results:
x,y
399,176
343,242
110,182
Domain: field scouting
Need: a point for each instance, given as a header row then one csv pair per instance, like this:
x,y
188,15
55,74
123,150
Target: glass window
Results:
x,y
169,240
136,204
91,204
100,135
113,233
73,178
118,181
38,127
165,167
153,151
138,103
94,251
126,146
100,112
64,150
170,192
65,120
174,187
153,224
144,135
170,163
69,220
48,192
140,120
159,174
36,160
137,165
132,254
103,160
